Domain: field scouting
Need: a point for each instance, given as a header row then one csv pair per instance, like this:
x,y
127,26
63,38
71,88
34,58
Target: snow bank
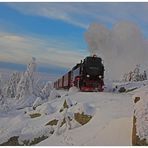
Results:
x,y
54,94
24,127
141,113
98,109
38,102
25,102
113,135
46,109
86,108
29,133
73,90
129,86
48,96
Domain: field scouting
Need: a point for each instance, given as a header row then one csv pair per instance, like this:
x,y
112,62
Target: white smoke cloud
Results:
x,y
121,48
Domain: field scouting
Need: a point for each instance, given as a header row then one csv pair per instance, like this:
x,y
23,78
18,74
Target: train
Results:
x,y
87,76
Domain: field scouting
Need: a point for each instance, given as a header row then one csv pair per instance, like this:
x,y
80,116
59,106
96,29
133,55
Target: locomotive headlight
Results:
x,y
100,76
87,76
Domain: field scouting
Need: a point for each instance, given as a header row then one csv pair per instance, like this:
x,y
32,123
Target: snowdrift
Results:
x,y
120,87
140,119
36,114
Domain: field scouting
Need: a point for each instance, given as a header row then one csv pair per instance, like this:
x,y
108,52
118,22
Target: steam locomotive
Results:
x,y
87,75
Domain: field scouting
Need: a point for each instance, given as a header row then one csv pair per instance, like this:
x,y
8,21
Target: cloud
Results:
x,y
19,49
122,47
82,14
49,10
14,38
111,37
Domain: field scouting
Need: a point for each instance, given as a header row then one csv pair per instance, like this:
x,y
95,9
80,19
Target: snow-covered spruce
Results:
x,y
135,75
45,92
25,85
11,86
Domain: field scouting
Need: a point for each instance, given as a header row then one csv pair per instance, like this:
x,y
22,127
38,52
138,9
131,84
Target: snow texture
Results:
x,y
141,113
111,123
54,94
111,112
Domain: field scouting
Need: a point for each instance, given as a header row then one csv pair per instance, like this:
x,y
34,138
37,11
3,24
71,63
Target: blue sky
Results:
x,y
54,32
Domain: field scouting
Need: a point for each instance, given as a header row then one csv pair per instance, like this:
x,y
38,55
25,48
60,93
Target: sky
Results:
x,y
54,33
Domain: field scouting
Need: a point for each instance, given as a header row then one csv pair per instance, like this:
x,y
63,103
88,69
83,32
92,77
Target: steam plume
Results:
x,y
121,48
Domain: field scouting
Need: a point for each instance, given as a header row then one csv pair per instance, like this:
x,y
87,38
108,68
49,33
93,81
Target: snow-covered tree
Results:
x,y
0,84
45,92
130,76
38,86
11,85
136,72
125,77
144,75
25,85
135,75
3,102
1,99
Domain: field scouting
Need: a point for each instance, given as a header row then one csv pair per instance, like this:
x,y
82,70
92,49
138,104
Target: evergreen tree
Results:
x,y
11,85
25,85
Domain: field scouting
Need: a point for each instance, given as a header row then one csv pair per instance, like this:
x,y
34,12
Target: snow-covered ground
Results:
x,y
141,112
110,125
128,86
111,122
34,113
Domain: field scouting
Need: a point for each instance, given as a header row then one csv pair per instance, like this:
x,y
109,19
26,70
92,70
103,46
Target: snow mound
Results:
x,y
85,108
128,86
73,90
28,134
38,102
54,94
48,96
25,128
45,92
26,102
141,112
70,102
46,109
